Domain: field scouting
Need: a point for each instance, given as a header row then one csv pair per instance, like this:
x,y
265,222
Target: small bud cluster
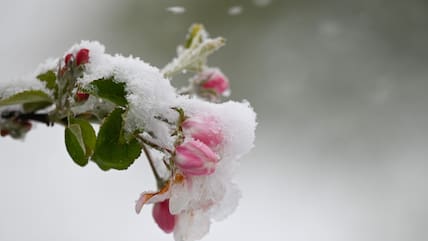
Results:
x,y
82,57
73,64
196,156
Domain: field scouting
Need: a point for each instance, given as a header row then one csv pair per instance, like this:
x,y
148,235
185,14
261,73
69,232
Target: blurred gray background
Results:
x,y
339,88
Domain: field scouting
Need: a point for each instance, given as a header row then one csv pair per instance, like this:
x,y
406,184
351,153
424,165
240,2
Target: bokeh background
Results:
x,y
339,88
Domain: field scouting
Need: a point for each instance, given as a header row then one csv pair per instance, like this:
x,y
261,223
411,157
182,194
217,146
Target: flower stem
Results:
x,y
153,145
159,181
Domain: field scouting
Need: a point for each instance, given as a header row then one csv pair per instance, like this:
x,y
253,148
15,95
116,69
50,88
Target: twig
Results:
x,y
153,145
43,118
159,181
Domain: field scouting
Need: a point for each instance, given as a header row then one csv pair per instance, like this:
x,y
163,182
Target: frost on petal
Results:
x,y
191,226
179,199
198,192
216,194
222,209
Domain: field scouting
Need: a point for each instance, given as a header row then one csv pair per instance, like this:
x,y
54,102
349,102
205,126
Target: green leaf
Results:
x,y
112,150
49,78
196,31
75,144
33,99
87,133
110,90
34,106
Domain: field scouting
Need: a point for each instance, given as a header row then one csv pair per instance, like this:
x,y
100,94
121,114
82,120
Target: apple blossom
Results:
x,y
195,158
193,155
203,128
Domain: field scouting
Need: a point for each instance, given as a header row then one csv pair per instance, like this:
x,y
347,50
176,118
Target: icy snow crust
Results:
x,y
199,199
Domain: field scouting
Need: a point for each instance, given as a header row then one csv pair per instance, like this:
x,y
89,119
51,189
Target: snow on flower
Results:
x,y
204,140
196,200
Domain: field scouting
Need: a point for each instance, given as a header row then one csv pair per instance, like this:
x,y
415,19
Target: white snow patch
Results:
x,y
234,10
176,9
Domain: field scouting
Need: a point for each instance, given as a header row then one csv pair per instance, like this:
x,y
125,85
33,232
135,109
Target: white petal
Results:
x,y
191,226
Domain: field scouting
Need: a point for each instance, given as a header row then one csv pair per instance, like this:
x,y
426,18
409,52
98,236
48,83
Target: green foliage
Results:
x,y
195,35
80,140
75,145
88,135
112,149
34,106
31,100
49,78
110,90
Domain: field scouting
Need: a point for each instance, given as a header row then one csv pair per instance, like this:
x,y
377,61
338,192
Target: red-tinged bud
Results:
x,y
67,58
4,132
215,80
194,158
82,57
163,217
81,96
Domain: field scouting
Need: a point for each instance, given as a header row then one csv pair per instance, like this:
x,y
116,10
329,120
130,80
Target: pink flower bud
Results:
x,y
82,57
81,96
67,58
215,80
203,128
195,158
163,217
